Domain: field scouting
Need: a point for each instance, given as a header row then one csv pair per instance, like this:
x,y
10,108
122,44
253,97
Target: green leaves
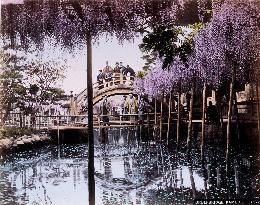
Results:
x,y
164,43
28,83
161,41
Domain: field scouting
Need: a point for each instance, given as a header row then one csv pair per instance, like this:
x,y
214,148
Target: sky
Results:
x,y
11,1
76,74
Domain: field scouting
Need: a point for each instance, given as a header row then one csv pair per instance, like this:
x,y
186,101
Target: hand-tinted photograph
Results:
x,y
129,102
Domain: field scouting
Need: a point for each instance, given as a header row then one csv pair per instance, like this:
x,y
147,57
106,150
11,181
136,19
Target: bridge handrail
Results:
x,y
106,85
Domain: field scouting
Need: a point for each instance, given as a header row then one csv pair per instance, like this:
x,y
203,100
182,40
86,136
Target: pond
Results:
x,y
127,172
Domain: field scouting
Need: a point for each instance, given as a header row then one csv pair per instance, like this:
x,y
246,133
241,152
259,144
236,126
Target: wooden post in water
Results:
x,y
204,101
193,186
237,120
155,112
229,120
148,125
161,119
237,184
169,117
58,136
179,118
218,176
257,108
29,121
209,173
21,119
190,118
91,168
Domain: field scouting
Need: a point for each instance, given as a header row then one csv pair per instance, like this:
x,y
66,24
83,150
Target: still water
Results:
x,y
127,172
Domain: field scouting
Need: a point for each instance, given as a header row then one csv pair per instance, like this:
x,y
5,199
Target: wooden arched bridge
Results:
x,y
118,85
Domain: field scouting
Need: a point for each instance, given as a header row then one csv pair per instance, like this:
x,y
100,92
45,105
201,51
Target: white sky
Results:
x,y
128,53
11,1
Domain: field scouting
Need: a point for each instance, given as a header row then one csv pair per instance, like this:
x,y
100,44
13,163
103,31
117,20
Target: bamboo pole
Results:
x,y
91,168
21,119
204,173
193,186
190,119
218,176
148,125
209,173
179,118
155,111
161,120
161,152
222,106
257,109
252,98
229,120
204,101
237,183
237,120
169,117
58,137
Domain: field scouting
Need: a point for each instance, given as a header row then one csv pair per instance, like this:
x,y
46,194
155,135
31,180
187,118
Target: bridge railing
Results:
x,y
50,121
117,79
98,88
53,121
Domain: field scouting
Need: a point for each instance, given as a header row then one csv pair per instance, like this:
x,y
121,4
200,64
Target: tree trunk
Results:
x,y
169,117
190,118
204,102
91,168
229,120
179,118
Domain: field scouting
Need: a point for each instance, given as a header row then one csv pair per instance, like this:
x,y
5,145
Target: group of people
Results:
x,y
128,105
106,74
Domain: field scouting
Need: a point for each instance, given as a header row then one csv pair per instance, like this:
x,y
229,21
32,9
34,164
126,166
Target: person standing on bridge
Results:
x,y
130,71
105,110
107,68
117,68
100,79
132,107
108,72
122,70
122,67
123,106
73,108
141,108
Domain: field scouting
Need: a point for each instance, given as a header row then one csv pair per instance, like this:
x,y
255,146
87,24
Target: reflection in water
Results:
x,y
128,171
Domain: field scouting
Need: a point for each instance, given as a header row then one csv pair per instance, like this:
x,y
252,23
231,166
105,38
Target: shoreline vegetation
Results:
x,y
13,138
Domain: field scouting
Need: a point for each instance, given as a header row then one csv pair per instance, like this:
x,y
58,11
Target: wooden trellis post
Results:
x,y
169,117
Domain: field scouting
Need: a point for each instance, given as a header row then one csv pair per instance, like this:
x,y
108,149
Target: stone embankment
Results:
x,y
23,141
